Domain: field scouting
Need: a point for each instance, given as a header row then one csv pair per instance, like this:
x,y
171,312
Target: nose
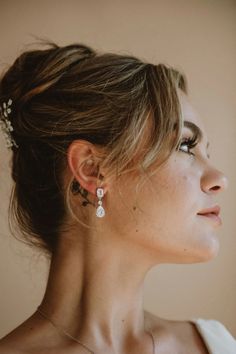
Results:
x,y
214,181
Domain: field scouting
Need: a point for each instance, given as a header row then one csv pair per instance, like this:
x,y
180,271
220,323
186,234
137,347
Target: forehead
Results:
x,y
190,113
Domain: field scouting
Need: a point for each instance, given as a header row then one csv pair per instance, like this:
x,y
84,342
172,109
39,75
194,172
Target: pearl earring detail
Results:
x,y
100,212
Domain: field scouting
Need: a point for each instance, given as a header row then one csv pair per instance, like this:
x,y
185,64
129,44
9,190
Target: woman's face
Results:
x,y
166,221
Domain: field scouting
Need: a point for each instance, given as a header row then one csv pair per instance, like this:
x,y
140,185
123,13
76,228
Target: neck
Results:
x,y
95,291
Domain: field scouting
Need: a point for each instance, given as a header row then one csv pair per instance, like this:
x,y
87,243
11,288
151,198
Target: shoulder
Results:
x,y
198,334
30,334
8,345
179,336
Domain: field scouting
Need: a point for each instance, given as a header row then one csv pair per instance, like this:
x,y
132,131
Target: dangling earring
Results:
x,y
100,212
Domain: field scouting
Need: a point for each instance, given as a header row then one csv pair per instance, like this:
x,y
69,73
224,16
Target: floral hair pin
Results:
x,y
5,123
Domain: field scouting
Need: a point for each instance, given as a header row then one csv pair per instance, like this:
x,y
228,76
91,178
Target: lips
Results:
x,y
214,210
211,213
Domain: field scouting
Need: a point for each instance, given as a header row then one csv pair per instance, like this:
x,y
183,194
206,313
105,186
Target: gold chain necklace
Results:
x,y
60,330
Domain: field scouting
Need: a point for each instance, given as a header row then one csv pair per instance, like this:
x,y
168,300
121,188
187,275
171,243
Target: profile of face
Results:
x,y
165,220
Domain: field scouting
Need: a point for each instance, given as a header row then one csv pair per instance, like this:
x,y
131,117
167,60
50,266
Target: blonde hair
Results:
x,y
70,92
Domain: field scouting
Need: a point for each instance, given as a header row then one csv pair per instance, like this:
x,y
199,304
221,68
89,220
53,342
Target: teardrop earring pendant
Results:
x,y
100,212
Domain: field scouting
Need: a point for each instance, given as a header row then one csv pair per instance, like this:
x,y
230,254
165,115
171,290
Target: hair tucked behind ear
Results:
x,y
72,92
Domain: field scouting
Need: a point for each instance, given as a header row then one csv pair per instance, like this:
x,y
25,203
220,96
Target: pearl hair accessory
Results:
x,y
5,123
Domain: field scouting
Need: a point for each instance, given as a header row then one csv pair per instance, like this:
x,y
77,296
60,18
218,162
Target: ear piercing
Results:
x,y
100,212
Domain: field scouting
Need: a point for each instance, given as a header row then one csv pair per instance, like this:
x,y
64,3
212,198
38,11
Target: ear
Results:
x,y
83,161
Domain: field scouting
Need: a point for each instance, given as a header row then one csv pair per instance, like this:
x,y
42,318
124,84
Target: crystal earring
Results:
x,y
100,212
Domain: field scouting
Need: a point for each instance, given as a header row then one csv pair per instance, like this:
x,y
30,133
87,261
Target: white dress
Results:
x,y
216,336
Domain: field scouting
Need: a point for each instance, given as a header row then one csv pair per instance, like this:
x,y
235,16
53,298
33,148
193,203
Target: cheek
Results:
x,y
169,219
166,207
173,196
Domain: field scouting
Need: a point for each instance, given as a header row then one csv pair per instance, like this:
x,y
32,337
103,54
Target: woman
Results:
x,y
112,177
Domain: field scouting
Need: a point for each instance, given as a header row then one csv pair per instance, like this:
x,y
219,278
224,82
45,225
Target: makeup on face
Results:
x,y
191,141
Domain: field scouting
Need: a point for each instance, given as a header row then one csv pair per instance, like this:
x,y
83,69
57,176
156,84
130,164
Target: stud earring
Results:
x,y
100,212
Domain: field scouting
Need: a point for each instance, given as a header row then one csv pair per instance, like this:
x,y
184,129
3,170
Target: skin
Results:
x,y
96,280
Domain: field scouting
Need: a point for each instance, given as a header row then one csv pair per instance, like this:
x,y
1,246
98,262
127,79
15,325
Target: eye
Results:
x,y
189,143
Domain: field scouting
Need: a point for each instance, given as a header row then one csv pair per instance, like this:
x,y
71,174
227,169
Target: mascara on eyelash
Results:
x,y
190,141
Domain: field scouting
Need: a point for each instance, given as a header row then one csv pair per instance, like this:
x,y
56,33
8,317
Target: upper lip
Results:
x,y
214,210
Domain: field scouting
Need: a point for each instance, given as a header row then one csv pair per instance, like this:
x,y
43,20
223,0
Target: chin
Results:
x,y
204,252
205,244
209,251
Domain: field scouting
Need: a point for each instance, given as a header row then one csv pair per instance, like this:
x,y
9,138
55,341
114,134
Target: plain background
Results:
x,y
196,36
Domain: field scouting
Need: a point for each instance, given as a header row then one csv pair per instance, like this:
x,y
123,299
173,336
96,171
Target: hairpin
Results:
x,y
5,123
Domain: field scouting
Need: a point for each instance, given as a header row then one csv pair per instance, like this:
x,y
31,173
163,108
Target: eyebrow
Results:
x,y
195,129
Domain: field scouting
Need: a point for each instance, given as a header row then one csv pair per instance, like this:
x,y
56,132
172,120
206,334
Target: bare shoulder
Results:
x,y
15,341
28,335
34,337
177,334
9,344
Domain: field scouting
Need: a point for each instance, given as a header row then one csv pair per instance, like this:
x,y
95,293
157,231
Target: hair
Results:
x,y
63,93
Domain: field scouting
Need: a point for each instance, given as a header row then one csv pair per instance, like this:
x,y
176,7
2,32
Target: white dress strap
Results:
x,y
215,335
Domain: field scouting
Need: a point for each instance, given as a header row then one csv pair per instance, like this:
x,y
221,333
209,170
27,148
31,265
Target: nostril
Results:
x,y
215,188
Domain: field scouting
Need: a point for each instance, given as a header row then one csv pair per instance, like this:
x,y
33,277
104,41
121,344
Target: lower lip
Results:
x,y
213,217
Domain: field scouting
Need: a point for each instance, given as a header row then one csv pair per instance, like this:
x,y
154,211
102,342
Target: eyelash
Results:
x,y
190,142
